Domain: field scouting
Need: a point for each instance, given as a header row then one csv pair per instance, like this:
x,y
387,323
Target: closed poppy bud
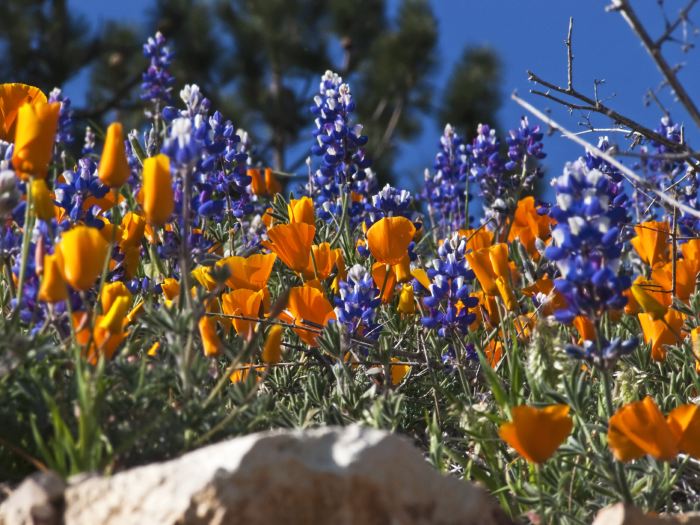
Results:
x,y
34,137
646,301
480,263
113,170
211,344
111,292
83,252
13,96
272,351
506,292
407,303
292,243
639,428
157,190
301,210
536,433
53,288
113,320
388,239
41,197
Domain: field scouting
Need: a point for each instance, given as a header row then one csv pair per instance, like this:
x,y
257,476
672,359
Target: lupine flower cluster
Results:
x,y
157,81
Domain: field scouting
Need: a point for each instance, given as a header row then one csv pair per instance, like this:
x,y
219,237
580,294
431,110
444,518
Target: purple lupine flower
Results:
x,y
156,81
64,133
357,303
590,213
449,301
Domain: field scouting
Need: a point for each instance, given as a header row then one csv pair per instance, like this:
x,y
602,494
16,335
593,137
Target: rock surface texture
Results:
x,y
343,476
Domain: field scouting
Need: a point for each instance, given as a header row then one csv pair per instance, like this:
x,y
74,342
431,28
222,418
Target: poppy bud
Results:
x,y
301,210
36,130
157,190
211,343
407,303
113,170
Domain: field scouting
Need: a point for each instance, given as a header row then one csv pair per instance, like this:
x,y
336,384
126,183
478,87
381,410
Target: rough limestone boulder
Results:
x,y
37,501
342,476
621,514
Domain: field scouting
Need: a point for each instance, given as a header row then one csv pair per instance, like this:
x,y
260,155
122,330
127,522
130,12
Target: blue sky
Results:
x,y
527,35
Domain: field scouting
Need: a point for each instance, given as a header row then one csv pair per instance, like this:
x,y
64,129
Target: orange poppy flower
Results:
x,y
493,352
250,272
388,239
528,225
477,239
536,433
158,200
546,295
402,271
82,251
325,259
12,97
133,228
292,244
660,333
639,428
307,306
263,184
420,275
643,292
211,344
53,288
272,350
34,137
202,275
685,279
486,312
651,242
301,210
385,281
111,292
695,346
585,328
171,288
113,169
104,341
684,422
42,200
691,255
246,303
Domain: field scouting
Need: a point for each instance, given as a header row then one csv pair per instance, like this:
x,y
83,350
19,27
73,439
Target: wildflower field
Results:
x,y
165,289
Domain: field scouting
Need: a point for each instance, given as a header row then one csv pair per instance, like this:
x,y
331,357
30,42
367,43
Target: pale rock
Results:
x,y
38,500
343,476
621,514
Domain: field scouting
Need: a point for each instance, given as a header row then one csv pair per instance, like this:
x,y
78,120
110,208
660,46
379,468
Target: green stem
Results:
x,y
617,466
26,241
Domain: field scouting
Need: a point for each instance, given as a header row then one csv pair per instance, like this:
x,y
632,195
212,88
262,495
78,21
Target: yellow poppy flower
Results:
x,y
388,239
398,372
536,433
133,227
111,292
407,302
42,200
157,191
